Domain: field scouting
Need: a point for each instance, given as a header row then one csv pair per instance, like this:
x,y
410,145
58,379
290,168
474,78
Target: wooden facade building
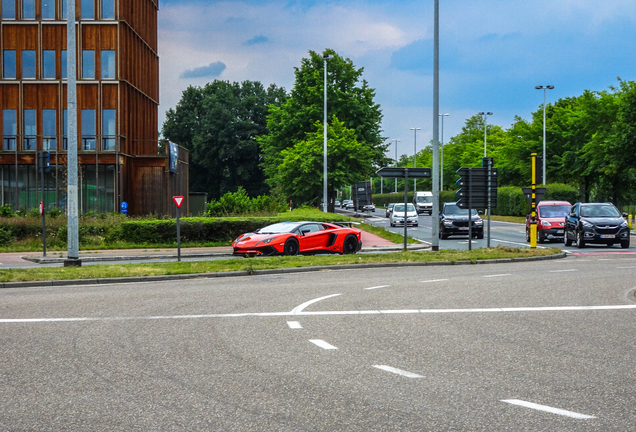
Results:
x,y
120,158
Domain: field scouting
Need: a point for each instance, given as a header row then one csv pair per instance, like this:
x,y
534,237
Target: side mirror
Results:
x,y
625,215
304,232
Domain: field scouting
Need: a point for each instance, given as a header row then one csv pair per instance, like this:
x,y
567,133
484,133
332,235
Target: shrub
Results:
x,y
6,211
5,237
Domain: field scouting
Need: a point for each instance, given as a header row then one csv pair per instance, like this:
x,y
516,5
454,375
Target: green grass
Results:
x,y
514,219
252,264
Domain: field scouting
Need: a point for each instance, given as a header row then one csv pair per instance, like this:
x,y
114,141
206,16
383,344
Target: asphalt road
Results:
x,y
501,233
545,345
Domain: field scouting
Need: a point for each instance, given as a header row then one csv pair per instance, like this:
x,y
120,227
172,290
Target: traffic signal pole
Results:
x,y
533,222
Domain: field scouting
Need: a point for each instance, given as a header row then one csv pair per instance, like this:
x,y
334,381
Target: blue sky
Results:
x,y
492,53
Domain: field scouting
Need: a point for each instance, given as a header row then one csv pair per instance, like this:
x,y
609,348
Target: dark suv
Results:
x,y
453,220
598,223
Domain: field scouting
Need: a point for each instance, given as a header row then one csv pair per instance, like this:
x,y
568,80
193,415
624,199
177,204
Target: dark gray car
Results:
x,y
596,223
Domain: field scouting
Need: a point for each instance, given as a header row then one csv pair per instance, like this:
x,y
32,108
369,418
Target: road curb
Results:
x,y
265,272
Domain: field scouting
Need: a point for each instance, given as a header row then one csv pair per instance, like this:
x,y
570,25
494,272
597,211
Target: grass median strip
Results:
x,y
251,264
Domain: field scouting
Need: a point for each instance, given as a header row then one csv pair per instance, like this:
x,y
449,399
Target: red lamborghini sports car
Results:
x,y
293,238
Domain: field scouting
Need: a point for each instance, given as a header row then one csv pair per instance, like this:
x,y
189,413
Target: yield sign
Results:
x,y
178,200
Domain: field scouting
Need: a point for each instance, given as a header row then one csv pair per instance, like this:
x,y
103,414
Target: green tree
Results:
x,y
301,169
350,100
219,124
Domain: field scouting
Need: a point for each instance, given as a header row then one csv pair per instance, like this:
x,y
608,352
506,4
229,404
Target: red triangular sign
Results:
x,y
178,200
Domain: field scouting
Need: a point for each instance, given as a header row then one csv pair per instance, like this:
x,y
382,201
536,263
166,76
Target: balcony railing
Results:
x,y
88,143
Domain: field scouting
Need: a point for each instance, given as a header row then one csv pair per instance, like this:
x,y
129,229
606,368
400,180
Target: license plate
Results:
x,y
463,228
604,236
559,231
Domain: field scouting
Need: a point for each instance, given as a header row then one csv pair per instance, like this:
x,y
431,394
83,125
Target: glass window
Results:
x,y
9,128
48,129
88,64
64,64
108,64
88,129
8,9
64,14
30,134
109,129
48,64
48,9
8,62
28,64
88,9
108,9
28,9
65,125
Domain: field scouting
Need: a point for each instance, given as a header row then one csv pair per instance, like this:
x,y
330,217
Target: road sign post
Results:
x,y
477,189
405,173
178,200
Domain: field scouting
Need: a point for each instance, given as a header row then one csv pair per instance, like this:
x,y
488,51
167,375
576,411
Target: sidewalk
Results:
x,y
370,243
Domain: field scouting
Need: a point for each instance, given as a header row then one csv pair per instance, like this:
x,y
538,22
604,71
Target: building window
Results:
x,y
28,9
88,129
9,128
8,9
88,9
109,130
65,126
64,64
30,134
49,130
28,64
64,11
8,62
108,9
48,9
88,64
108,64
48,64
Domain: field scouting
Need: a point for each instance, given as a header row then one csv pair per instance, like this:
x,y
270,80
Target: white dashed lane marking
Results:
x,y
434,280
561,271
548,409
398,371
497,275
322,344
294,325
376,287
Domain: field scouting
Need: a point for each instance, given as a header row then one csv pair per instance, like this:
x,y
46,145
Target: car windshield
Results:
x,y
283,227
424,199
400,208
453,210
553,211
606,210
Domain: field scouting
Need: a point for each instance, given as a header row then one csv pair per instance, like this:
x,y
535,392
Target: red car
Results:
x,y
292,238
550,220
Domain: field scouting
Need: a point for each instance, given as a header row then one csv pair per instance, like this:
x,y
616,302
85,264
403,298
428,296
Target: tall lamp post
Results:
x,y
415,155
324,147
396,141
485,119
549,87
441,172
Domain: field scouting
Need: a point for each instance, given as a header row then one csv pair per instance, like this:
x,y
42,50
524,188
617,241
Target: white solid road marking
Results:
x,y
434,280
298,309
497,275
322,344
548,409
626,267
398,371
566,270
294,325
517,243
376,287
325,313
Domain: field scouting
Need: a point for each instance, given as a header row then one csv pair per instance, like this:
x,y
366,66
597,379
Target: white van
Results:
x,y
423,202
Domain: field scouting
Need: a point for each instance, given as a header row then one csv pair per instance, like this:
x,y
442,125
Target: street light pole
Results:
x,y
396,161
485,119
549,87
441,172
324,147
415,155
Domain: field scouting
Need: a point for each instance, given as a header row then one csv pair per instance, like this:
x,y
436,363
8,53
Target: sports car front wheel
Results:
x,y
350,244
291,247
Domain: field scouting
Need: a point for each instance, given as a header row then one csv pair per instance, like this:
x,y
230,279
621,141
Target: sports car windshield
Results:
x,y
278,228
599,211
555,211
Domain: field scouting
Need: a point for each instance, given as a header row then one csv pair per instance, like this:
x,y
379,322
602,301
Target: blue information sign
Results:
x,y
124,207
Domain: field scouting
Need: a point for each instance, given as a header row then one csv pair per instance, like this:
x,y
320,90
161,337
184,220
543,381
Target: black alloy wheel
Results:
x,y
566,239
625,244
350,244
580,243
291,247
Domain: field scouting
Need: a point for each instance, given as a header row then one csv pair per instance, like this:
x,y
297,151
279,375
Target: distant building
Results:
x,y
120,158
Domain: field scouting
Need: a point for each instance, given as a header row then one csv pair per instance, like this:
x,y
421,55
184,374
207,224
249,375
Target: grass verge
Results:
x,y
251,264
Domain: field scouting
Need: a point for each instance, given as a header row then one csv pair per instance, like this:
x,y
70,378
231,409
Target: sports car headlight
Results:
x,y
587,224
269,240
545,223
